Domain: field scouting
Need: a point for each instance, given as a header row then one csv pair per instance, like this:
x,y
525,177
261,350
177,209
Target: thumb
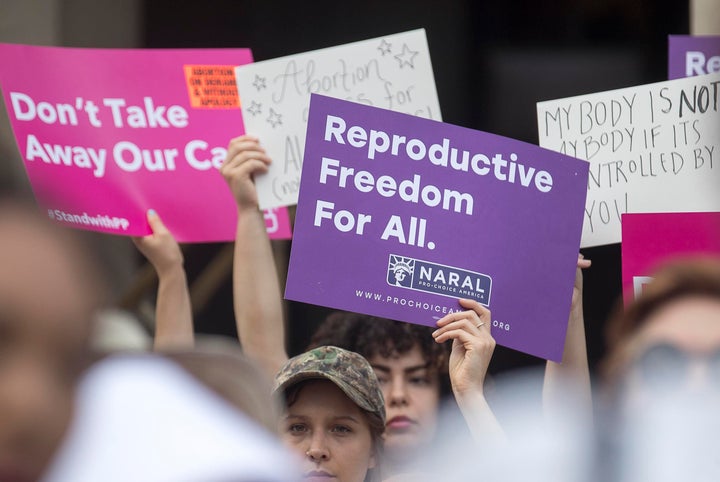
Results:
x,y
583,263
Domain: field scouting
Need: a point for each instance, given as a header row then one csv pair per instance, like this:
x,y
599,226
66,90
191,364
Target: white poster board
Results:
x,y
652,148
392,72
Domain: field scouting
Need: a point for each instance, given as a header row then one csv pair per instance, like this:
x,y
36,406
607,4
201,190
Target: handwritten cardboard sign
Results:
x,y
400,216
650,239
392,72
690,55
651,148
108,134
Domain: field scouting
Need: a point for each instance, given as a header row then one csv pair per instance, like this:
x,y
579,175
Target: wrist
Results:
x,y
251,214
248,205
576,312
471,400
170,270
468,394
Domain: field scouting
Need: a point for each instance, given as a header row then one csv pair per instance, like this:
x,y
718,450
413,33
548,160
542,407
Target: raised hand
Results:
x,y
245,158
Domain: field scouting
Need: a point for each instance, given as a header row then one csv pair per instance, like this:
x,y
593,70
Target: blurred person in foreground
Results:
x,y
662,377
153,418
669,337
48,295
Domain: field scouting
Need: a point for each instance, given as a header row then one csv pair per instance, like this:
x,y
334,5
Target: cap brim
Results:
x,y
351,392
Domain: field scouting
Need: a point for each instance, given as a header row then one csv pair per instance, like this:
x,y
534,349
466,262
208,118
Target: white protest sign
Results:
x,y
392,72
652,148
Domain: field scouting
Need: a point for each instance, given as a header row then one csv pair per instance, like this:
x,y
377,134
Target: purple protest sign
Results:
x,y
400,216
106,134
690,55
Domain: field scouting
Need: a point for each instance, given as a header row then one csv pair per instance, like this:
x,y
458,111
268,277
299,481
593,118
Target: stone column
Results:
x,y
704,17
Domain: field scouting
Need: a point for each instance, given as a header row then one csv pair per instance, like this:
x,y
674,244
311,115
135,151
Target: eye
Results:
x,y
341,429
297,428
420,381
382,379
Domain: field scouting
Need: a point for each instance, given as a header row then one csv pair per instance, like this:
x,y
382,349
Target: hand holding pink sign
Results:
x,y
173,311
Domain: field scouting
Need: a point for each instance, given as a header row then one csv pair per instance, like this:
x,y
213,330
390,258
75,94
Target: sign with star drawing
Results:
x,y
392,72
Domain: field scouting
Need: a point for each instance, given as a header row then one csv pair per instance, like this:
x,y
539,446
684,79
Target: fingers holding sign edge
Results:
x,y
476,319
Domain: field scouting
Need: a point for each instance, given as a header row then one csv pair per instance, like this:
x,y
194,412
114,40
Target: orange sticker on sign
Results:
x,y
212,86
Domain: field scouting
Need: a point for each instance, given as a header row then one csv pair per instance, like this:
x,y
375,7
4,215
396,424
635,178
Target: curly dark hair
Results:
x,y
371,336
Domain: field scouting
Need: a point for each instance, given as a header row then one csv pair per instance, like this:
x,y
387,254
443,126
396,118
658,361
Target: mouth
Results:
x,y
317,476
400,423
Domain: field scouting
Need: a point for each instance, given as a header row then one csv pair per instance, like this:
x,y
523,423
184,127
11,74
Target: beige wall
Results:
x,y
705,17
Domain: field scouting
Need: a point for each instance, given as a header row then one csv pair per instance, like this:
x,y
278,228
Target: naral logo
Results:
x,y
419,275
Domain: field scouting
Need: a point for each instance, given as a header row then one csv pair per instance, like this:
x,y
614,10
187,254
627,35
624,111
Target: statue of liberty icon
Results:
x,y
400,271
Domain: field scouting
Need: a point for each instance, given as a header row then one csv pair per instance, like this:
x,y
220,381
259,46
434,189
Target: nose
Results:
x,y
398,395
318,450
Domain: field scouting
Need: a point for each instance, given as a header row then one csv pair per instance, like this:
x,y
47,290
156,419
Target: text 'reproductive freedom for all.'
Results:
x,y
440,154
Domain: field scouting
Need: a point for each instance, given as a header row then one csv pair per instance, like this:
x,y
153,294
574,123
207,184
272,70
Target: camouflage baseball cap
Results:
x,y
349,371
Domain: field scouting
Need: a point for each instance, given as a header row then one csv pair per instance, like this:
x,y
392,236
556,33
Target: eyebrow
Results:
x,y
339,417
347,417
288,416
415,368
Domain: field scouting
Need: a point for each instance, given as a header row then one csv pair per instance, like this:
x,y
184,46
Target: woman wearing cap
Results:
x,y
334,414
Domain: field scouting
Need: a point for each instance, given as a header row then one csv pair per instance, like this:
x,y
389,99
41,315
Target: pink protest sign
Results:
x,y
106,134
650,239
